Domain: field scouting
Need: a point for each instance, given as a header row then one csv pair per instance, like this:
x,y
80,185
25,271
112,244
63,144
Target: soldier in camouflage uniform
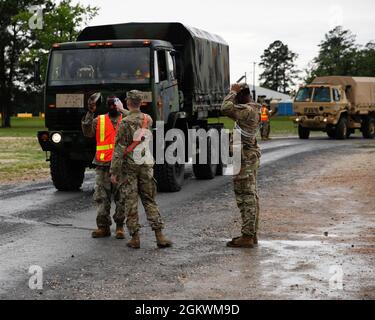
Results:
x,y
104,189
137,178
238,106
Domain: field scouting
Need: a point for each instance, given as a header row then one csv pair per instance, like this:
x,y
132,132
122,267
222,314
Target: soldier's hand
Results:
x,y
92,107
114,179
236,87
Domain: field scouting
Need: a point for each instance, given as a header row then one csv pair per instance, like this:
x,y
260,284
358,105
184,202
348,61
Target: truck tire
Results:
x,y
205,171
169,178
67,175
342,129
368,128
303,133
331,133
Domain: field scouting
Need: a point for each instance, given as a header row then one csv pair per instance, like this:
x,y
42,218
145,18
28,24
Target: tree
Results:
x,y
13,41
279,67
20,45
337,54
366,61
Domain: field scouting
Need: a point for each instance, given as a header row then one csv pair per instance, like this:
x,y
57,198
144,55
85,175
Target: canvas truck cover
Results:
x,y
204,56
361,92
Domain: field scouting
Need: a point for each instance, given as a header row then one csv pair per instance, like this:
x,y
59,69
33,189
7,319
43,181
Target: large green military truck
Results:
x,y
183,72
337,106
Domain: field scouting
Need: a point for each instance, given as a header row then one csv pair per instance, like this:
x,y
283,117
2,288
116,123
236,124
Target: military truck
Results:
x,y
183,72
336,105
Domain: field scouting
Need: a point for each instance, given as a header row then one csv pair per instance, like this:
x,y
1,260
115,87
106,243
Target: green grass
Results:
x,y
279,125
23,127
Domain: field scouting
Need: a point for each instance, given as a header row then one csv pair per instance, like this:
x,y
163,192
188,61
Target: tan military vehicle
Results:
x,y
336,105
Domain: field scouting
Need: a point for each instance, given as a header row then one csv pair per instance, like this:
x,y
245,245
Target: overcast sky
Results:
x,y
250,26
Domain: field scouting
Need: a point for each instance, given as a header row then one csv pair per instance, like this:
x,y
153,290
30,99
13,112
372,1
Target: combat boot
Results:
x,y
120,233
161,240
135,242
242,242
101,232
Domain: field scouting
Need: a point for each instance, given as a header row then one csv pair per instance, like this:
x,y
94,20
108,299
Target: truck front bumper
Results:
x,y
315,122
71,144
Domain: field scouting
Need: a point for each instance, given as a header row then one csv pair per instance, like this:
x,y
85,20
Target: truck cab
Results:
x,y
176,67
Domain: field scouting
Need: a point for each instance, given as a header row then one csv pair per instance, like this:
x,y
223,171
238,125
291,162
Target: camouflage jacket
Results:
x,y
124,138
89,125
247,120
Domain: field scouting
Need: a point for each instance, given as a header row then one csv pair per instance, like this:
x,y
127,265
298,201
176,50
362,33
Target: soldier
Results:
x,y
265,126
137,178
238,106
104,129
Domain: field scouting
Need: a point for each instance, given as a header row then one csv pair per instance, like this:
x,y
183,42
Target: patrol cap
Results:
x,y
135,96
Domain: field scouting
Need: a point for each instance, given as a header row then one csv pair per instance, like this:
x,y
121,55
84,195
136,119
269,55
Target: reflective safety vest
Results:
x,y
105,138
264,115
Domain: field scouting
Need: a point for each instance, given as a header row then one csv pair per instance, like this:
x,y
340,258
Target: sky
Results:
x,y
249,27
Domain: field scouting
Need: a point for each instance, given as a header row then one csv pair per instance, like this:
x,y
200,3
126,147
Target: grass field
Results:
x,y
23,127
21,157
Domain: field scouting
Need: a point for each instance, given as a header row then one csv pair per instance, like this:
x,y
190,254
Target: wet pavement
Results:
x,y
39,226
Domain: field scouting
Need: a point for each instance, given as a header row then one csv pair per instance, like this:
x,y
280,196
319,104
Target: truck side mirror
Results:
x,y
37,77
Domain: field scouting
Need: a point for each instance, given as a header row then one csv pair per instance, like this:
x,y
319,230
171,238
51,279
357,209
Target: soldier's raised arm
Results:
x,y
89,124
229,107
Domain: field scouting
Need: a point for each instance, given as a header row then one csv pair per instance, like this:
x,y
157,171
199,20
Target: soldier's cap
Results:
x,y
135,96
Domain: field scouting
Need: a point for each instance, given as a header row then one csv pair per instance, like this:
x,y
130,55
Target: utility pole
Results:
x,y
254,91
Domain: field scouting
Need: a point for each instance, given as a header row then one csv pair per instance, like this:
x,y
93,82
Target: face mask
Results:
x,y
113,112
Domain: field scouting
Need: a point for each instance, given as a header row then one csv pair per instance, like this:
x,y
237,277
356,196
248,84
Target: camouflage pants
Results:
x,y
245,188
139,181
104,190
265,130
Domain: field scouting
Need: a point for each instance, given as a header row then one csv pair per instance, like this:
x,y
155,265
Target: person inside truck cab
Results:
x,y
142,71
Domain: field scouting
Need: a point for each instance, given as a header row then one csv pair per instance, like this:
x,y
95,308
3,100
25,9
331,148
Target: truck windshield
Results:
x,y
99,66
304,95
322,94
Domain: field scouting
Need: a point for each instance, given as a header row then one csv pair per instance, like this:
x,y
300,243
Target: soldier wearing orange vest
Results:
x,y
104,128
265,116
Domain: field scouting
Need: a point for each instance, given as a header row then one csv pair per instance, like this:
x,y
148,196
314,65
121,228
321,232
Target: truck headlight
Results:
x,y
56,138
298,120
325,120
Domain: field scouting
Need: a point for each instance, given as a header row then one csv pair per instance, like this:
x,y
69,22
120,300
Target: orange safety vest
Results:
x,y
264,115
105,138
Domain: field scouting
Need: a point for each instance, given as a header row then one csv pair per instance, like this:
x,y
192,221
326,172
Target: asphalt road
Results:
x,y
39,226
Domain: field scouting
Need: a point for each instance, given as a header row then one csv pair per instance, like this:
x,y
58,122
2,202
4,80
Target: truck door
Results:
x,y
166,84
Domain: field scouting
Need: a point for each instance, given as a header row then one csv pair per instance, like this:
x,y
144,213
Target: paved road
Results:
x,y
39,226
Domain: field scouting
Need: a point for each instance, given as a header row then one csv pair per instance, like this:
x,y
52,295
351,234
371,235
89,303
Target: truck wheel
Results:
x,y
303,133
331,133
169,178
205,171
342,129
368,128
67,175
